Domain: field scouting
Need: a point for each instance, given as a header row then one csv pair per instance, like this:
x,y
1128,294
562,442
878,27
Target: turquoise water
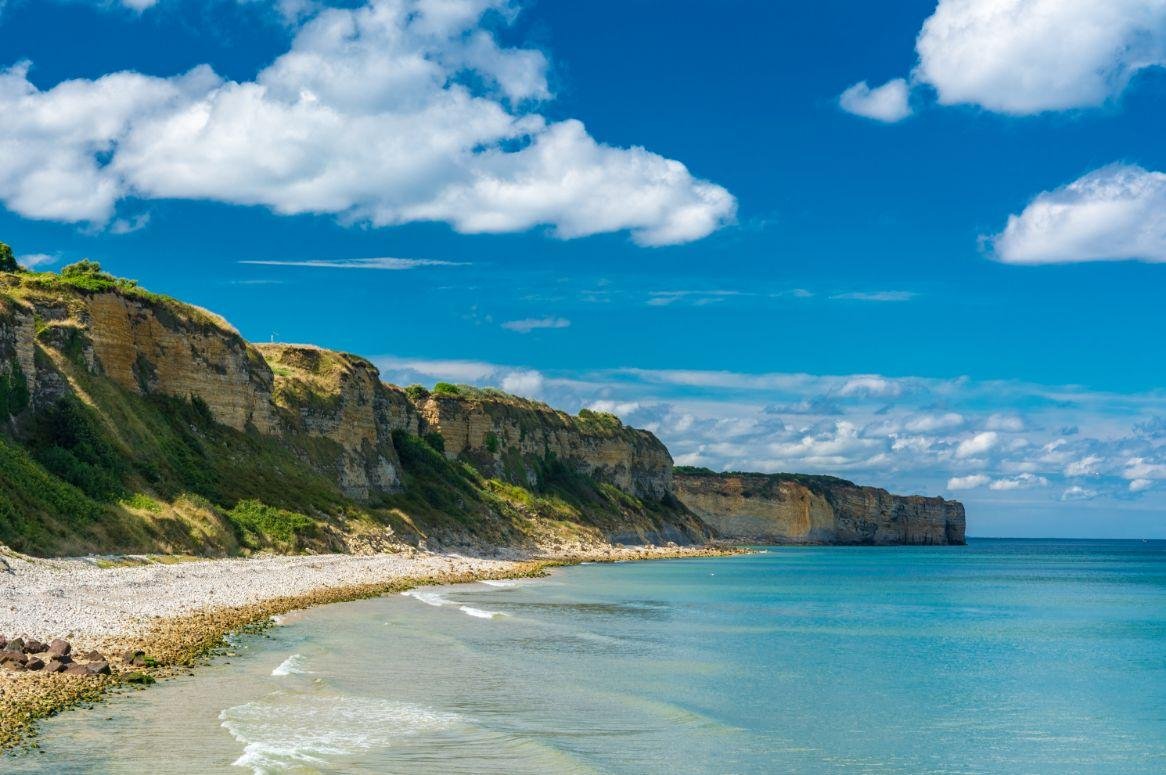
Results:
x,y
1004,656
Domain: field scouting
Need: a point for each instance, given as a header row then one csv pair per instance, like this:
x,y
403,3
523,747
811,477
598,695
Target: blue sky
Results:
x,y
947,280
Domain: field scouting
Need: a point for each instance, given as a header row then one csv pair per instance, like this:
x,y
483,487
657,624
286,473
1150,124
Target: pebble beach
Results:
x,y
174,611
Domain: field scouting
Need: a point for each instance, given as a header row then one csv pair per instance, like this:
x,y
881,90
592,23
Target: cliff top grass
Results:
x,y
587,421
808,480
86,278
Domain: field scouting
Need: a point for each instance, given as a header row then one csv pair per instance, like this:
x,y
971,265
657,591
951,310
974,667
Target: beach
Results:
x,y
176,610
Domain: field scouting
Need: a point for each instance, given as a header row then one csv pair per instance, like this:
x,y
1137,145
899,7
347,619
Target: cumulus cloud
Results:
x,y
1078,493
1028,56
394,112
977,445
970,482
1021,482
1023,57
1086,466
527,383
888,103
1114,213
527,325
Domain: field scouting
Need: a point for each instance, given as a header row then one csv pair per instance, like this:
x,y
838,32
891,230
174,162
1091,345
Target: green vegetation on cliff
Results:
x,y
103,450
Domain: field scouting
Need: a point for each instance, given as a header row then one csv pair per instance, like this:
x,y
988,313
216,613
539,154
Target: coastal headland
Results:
x,y
211,483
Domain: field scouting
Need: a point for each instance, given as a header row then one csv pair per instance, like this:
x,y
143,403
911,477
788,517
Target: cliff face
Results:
x,y
515,439
777,508
158,384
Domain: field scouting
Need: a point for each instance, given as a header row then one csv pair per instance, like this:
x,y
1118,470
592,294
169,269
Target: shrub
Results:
x,y
7,260
261,524
435,440
13,392
416,393
447,389
491,442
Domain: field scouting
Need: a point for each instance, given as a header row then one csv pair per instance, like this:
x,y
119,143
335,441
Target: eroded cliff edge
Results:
x,y
801,509
133,422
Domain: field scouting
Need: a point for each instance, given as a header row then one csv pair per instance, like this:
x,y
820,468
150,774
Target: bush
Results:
x,y
7,260
491,442
435,440
261,524
447,389
416,393
13,392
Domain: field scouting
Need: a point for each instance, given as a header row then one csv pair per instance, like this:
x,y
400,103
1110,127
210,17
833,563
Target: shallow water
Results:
x,y
1004,656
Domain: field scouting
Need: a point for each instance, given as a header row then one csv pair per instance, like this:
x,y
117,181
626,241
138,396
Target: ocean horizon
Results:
x,y
1007,655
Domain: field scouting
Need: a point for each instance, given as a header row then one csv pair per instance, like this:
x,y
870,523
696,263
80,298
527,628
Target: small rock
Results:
x,y
140,678
98,668
3,642
13,666
75,669
35,647
54,666
131,657
16,644
34,663
60,648
93,656
12,656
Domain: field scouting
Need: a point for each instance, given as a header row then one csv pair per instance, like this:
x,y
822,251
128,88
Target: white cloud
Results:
x,y
1086,466
1004,422
367,117
884,296
977,445
1139,468
868,385
696,298
618,408
1114,213
1138,485
33,260
527,383
970,482
527,325
1029,56
888,102
385,264
1021,482
1078,493
929,423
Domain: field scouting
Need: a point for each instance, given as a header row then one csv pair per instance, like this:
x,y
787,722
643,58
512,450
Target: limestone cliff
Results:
x,y
513,439
790,508
160,425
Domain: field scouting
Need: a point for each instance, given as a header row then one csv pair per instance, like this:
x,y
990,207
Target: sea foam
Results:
x,y
437,600
478,613
293,665
290,731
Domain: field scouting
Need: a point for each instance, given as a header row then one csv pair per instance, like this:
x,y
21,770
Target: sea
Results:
x,y
1004,656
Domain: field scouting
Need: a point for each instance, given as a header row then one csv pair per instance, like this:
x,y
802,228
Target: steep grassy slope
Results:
x,y
133,422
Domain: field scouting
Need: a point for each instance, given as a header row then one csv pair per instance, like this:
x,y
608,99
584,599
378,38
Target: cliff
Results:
x,y
134,422
798,509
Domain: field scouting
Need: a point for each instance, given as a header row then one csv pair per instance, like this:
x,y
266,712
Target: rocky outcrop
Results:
x,y
331,408
516,440
340,397
794,509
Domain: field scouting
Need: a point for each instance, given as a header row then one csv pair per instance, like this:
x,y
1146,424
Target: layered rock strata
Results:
x,y
792,509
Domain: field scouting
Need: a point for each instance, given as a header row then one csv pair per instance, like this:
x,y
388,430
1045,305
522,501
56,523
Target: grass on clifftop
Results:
x,y
809,480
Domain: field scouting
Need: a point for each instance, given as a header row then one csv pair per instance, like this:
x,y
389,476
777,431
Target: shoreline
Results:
x,y
175,627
